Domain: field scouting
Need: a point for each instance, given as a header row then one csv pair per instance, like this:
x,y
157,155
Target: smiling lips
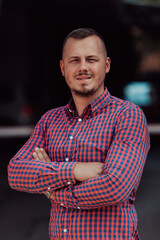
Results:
x,y
83,77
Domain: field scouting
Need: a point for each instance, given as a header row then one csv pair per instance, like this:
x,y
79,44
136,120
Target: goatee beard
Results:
x,y
84,93
87,92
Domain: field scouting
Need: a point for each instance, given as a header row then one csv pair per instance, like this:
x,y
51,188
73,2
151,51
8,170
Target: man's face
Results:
x,y
85,65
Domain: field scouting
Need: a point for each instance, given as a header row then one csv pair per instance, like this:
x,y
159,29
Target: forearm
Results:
x,y
25,173
114,186
36,177
94,193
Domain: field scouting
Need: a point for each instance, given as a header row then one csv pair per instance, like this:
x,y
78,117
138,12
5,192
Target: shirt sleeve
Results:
x,y
122,170
29,175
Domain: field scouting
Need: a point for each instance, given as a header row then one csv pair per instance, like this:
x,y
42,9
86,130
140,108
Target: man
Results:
x,y
87,156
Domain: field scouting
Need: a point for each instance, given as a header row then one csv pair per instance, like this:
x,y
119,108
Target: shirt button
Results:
x,y
70,110
68,183
64,230
49,189
71,137
67,159
80,119
62,204
78,208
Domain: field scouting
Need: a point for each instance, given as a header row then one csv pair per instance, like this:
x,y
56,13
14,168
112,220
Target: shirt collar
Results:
x,y
70,107
97,104
101,101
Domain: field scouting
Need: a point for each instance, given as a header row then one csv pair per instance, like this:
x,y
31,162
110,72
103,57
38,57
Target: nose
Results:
x,y
83,66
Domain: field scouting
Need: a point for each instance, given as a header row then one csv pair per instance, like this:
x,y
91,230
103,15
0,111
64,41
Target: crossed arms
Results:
x,y
81,171
86,185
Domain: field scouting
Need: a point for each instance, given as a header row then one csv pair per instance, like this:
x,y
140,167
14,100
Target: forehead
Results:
x,y
91,45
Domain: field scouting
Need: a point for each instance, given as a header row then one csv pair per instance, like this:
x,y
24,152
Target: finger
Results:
x,y
52,196
47,159
35,156
39,154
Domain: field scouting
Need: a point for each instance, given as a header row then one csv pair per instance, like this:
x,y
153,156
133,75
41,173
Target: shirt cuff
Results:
x,y
65,173
64,198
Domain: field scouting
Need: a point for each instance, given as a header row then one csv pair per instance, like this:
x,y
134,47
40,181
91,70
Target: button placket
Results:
x,y
72,135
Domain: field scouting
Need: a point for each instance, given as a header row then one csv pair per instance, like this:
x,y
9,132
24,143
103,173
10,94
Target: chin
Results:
x,y
84,92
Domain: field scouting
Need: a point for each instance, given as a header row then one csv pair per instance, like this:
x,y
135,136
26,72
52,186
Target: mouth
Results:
x,y
83,77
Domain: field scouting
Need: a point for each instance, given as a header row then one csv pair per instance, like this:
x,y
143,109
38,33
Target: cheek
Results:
x,y
68,70
99,71
68,77
70,73
66,73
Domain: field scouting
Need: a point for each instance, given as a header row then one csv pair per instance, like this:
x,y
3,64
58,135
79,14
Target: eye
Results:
x,y
74,60
92,60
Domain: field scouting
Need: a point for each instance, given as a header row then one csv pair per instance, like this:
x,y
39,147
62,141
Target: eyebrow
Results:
x,y
73,57
89,56
92,56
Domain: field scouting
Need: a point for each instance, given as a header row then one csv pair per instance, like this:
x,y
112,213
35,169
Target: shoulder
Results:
x,y
53,112
127,113
52,115
123,106
130,117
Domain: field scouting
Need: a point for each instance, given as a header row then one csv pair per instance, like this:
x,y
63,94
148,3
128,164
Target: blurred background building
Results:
x,y
31,37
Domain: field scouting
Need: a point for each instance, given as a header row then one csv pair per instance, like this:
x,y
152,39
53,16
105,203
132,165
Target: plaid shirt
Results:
x,y
110,130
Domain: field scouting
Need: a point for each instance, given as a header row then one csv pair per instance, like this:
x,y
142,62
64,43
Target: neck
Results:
x,y
82,102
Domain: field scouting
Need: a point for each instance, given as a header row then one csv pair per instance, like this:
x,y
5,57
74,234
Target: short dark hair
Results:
x,y
82,33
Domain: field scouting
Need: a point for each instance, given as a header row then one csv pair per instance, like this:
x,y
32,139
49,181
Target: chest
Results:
x,y
80,139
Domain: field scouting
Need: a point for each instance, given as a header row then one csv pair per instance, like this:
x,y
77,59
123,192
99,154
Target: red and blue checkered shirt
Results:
x,y
110,130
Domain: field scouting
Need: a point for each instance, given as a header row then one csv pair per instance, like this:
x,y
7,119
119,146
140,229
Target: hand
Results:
x,y
41,155
86,170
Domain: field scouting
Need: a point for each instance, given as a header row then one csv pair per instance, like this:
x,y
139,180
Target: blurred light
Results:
x,y
139,93
9,132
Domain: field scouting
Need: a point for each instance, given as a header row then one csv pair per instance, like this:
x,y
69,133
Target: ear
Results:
x,y
108,64
62,67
